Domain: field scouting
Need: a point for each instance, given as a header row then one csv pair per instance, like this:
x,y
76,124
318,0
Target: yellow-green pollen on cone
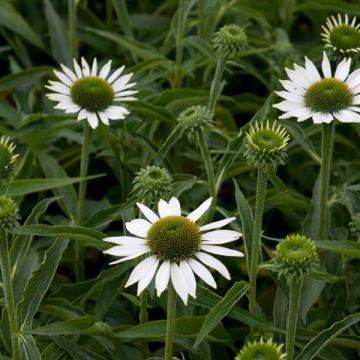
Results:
x,y
328,95
345,37
92,93
174,238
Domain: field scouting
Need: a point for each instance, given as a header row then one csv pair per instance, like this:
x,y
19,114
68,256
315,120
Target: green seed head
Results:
x,y
7,158
265,145
8,213
345,37
230,41
174,238
92,93
295,256
194,118
261,350
152,183
328,95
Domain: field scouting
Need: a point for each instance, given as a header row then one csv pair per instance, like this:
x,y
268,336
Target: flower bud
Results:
x,y
7,158
264,350
9,215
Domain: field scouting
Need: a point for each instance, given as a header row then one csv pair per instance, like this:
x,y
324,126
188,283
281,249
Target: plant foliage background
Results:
x,y
97,318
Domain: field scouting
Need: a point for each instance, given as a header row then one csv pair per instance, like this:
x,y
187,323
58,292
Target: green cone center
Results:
x,y
345,37
92,93
327,95
267,139
174,238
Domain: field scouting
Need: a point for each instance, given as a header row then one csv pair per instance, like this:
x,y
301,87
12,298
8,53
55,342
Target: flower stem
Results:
x,y
72,21
256,240
179,43
8,293
170,322
201,18
84,164
326,155
295,288
215,89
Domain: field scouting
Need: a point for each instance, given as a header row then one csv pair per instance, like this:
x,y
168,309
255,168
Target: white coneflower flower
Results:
x,y
177,247
341,36
308,95
92,94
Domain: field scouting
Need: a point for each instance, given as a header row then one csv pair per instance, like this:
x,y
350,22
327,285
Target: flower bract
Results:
x,y
91,93
309,95
176,248
262,350
7,158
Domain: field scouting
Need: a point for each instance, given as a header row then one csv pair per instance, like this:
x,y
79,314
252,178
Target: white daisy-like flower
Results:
x,y
340,35
308,95
176,247
91,93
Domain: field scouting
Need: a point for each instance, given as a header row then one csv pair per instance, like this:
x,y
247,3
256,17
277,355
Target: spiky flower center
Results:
x,y
194,118
174,238
261,350
92,93
327,95
7,158
345,37
267,139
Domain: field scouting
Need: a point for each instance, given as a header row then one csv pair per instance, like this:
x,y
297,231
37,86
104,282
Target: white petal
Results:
x,y
72,108
164,209
175,206
59,87
162,277
125,93
289,96
342,70
94,68
103,118
149,214
200,211
189,276
141,269
116,112
59,97
104,72
217,224
147,277
220,237
68,72
356,100
126,98
306,76
292,87
128,258
85,67
298,78
138,227
320,118
93,120
122,250
347,116
219,250
115,74
203,273
311,68
287,105
125,240
214,263
354,79
326,68
65,105
77,69
83,114
123,80
63,78
179,282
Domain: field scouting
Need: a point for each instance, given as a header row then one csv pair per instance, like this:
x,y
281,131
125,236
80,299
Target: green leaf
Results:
x,y
152,111
58,35
123,17
320,341
39,283
347,247
12,20
29,348
221,309
85,235
247,220
28,186
52,352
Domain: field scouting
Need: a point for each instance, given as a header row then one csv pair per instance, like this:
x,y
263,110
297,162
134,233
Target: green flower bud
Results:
x,y
230,41
152,183
265,145
262,350
194,118
7,158
9,215
354,224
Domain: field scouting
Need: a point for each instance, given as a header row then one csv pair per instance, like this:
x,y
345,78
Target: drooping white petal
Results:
x,y
125,93
219,250
202,272
326,67
217,224
289,96
147,277
214,263
122,250
94,68
292,87
104,72
103,118
93,120
287,105
83,114
115,74
298,78
116,112
305,75
125,240
59,97
189,276
64,105
68,72
141,269
342,70
320,118
127,258
200,211
85,67
73,108
354,79
61,88
220,237
179,282
162,277
63,78
347,116
138,227
175,206
149,214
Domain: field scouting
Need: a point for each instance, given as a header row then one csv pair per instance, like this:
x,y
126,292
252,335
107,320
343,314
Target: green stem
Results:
x,y
8,294
326,155
84,164
179,43
256,240
170,322
216,84
294,301
168,144
72,23
201,18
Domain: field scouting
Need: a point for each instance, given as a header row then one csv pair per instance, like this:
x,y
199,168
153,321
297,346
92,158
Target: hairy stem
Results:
x,y
170,322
